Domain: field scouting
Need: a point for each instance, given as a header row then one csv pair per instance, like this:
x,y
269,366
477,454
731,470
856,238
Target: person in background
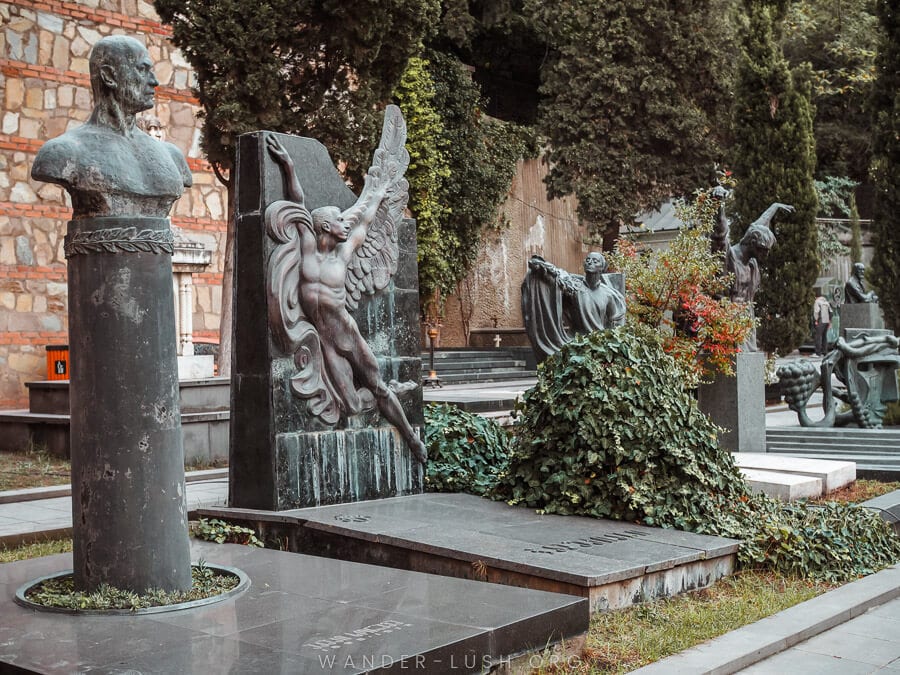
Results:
x,y
821,321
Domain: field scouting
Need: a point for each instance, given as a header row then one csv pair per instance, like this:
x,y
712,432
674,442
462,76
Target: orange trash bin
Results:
x,y
58,362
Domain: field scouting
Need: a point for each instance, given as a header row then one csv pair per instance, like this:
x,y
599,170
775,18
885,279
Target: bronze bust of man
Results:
x,y
855,288
125,425
108,165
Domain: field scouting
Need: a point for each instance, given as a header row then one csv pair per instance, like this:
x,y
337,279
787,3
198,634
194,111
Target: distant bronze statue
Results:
x,y
855,288
152,126
742,259
325,261
556,304
865,363
96,162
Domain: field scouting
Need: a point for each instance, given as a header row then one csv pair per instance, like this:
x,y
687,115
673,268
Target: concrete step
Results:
x,y
195,396
205,434
783,486
832,474
875,451
459,367
497,376
467,354
834,435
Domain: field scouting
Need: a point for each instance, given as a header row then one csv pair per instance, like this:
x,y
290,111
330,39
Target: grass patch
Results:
x,y
622,641
36,468
32,468
858,491
35,550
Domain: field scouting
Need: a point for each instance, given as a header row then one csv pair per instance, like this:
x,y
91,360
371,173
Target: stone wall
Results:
x,y
491,296
44,48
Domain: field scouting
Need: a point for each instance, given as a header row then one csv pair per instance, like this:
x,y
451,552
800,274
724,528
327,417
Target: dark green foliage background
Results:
x,y
318,68
774,161
886,166
632,97
466,452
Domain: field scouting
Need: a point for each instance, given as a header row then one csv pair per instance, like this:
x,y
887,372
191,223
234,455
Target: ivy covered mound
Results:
x,y
609,432
466,452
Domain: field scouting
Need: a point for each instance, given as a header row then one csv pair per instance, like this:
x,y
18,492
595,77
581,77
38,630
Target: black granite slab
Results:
x,y
583,552
301,614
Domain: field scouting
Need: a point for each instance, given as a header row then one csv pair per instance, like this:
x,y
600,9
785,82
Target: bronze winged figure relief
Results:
x,y
324,262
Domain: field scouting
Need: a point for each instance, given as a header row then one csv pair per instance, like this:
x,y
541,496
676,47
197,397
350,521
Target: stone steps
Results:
x,y
464,366
873,450
204,419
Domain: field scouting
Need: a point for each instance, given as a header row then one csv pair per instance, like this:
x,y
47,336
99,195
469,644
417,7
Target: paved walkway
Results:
x,y
30,519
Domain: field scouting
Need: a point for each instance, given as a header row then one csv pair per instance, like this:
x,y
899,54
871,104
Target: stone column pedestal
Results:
x,y
861,315
738,403
128,502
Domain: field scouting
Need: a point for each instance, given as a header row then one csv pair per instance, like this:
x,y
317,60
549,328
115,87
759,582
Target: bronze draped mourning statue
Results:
x,y
323,263
742,259
556,304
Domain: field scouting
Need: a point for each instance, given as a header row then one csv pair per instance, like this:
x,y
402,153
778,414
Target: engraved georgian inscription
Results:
x,y
587,542
358,635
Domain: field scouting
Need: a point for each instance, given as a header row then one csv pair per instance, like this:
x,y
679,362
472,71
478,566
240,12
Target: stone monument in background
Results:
x,y
860,308
128,501
326,366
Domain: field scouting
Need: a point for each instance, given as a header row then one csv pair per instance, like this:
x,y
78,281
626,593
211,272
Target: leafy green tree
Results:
x,y
501,42
886,165
427,171
855,232
482,153
838,38
773,160
632,90
319,69
462,164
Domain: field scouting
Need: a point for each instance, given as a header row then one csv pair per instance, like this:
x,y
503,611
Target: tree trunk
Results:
x,y
225,322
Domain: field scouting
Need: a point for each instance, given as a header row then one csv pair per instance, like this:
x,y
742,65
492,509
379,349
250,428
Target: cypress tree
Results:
x,y
774,160
886,165
631,89
855,232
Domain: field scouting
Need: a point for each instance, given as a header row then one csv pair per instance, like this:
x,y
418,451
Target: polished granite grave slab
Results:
x,y
301,614
613,563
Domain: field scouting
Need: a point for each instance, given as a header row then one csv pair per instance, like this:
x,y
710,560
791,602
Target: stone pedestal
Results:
x,y
281,455
196,367
861,315
738,404
127,452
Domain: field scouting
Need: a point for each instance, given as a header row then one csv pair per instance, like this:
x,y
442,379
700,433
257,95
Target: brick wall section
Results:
x,y
45,90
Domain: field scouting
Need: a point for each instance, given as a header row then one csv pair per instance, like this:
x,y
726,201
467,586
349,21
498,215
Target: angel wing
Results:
x,y
374,263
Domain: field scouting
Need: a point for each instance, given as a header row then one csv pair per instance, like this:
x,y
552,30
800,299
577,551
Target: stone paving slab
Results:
x,y
26,521
301,614
613,563
758,642
833,474
783,486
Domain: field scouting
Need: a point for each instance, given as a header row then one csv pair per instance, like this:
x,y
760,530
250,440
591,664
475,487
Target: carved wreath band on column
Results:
x,y
120,240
